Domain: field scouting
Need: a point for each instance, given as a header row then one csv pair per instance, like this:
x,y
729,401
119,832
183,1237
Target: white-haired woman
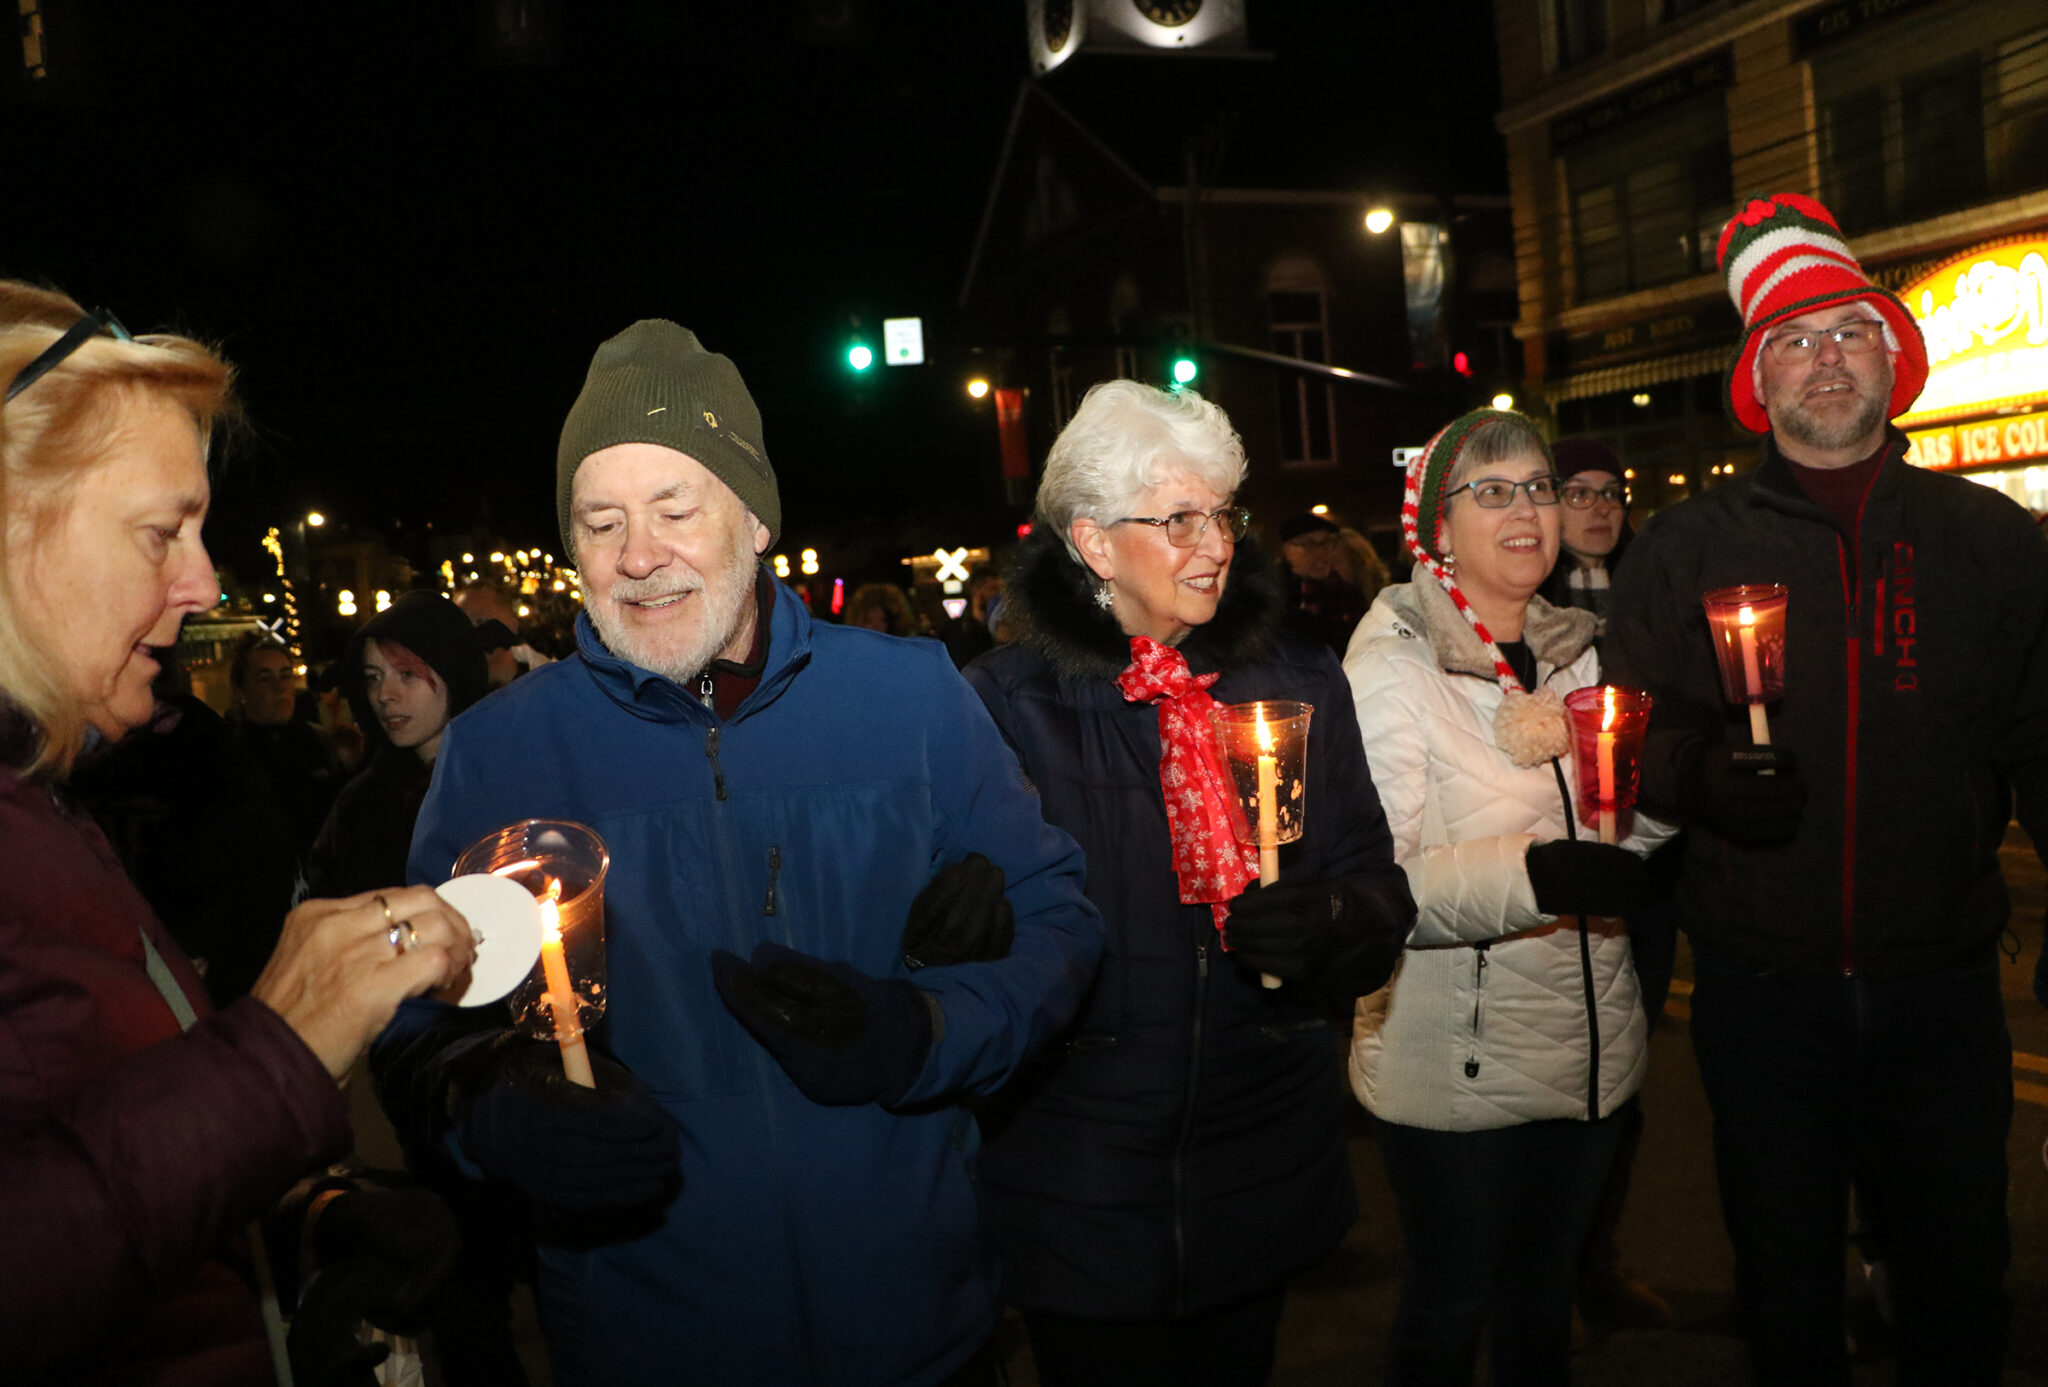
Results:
x,y
1496,1058
1154,1181
142,1128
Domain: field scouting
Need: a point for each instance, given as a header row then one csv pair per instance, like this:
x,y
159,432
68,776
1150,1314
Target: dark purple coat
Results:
x,y
130,1155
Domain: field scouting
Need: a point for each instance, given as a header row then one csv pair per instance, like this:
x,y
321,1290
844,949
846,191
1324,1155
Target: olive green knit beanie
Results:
x,y
655,383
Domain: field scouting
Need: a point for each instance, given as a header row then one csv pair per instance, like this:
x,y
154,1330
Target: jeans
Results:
x,y
1492,1222
1900,1087
1227,1347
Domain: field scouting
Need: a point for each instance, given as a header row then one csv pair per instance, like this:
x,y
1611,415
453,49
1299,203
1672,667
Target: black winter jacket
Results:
x,y
1916,698
1185,1148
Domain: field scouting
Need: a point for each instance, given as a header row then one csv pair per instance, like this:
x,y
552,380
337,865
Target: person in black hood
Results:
x,y
1153,1183
1595,521
407,674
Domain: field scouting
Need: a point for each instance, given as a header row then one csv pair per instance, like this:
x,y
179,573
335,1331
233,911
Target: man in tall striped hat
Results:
x,y
1841,886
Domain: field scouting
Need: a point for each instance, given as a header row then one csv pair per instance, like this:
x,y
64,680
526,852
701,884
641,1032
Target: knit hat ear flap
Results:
x,y
1529,727
1784,256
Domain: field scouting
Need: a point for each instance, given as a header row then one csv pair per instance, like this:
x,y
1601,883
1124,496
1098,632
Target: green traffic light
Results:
x,y
1184,370
859,357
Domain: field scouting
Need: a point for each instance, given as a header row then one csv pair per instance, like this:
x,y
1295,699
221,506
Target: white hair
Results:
x,y
1126,438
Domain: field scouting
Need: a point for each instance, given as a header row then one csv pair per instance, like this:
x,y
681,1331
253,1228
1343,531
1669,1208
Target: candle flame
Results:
x,y
1746,617
550,913
1607,717
1265,733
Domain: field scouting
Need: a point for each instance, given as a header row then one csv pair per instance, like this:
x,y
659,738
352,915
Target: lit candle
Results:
x,y
562,996
1759,730
1269,818
1604,749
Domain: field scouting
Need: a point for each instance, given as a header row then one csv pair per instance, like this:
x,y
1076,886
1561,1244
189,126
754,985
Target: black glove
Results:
x,y
567,1147
1290,928
961,916
378,1255
322,1342
1724,787
841,1036
1576,877
405,1237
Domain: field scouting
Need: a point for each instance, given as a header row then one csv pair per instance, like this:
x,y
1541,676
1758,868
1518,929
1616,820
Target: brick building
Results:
x,y
1634,126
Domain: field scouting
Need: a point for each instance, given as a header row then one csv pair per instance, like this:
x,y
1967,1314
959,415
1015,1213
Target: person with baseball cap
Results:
x,y
1841,885
833,912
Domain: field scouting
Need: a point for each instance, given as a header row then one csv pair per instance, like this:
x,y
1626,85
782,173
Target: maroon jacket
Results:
x,y
130,1155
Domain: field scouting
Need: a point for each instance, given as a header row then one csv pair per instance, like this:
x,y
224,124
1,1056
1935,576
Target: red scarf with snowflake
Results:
x,y
1212,865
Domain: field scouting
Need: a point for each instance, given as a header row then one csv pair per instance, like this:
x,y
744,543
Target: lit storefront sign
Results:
x,y
2012,438
1985,317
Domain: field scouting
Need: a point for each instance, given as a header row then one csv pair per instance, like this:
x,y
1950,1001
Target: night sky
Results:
x,y
411,248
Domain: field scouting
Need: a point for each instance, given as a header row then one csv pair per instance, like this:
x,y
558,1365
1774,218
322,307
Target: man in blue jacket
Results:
x,y
777,797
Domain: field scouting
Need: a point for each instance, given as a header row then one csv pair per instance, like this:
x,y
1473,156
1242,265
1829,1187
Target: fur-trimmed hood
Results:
x,y
1053,598
1555,635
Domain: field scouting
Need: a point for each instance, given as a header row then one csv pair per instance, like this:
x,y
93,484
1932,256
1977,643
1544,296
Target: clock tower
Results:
x,y
1059,28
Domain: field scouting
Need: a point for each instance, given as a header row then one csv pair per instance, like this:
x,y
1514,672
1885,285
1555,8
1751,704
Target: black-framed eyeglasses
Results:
x,y
76,336
1855,337
1185,528
1586,497
1498,493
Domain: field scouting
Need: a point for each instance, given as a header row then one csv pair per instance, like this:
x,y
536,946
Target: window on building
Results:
x,y
1925,118
1297,306
1123,321
1648,202
1581,29
1060,366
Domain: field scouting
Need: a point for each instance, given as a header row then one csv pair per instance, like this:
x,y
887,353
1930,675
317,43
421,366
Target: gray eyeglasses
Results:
x,y
1498,493
1185,528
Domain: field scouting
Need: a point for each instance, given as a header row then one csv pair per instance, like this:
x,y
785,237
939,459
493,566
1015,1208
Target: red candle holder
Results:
x,y
1748,622
1608,723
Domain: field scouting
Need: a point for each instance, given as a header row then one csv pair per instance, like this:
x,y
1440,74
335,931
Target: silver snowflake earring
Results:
x,y
1103,598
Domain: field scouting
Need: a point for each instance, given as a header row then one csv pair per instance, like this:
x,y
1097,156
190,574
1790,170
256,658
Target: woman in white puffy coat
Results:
x,y
1496,1058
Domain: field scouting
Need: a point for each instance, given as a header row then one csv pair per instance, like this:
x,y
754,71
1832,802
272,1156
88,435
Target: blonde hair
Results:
x,y
51,436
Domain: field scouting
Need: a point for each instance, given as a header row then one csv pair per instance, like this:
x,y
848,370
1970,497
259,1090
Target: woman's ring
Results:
x,y
388,918
393,935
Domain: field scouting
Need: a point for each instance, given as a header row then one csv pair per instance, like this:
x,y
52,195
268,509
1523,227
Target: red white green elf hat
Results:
x,y
1783,256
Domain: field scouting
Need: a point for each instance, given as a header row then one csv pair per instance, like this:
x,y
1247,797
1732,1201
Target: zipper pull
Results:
x,y
711,753
707,692
774,870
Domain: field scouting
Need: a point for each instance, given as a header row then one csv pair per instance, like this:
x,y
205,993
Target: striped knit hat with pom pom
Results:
x,y
1784,257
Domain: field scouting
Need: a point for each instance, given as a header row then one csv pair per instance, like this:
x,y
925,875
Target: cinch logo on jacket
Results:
x,y
1905,619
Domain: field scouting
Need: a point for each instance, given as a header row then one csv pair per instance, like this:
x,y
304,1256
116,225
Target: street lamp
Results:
x,y
1378,220
1503,401
977,388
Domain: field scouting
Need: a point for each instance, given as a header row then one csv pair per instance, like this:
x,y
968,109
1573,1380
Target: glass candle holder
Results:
x,y
564,865
1265,748
1608,723
1748,623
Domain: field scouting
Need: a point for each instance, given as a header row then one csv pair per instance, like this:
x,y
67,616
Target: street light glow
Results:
x,y
315,519
859,356
1503,401
1184,369
1378,220
977,387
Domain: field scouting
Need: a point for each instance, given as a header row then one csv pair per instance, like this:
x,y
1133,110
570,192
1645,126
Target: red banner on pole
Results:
x,y
1010,422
